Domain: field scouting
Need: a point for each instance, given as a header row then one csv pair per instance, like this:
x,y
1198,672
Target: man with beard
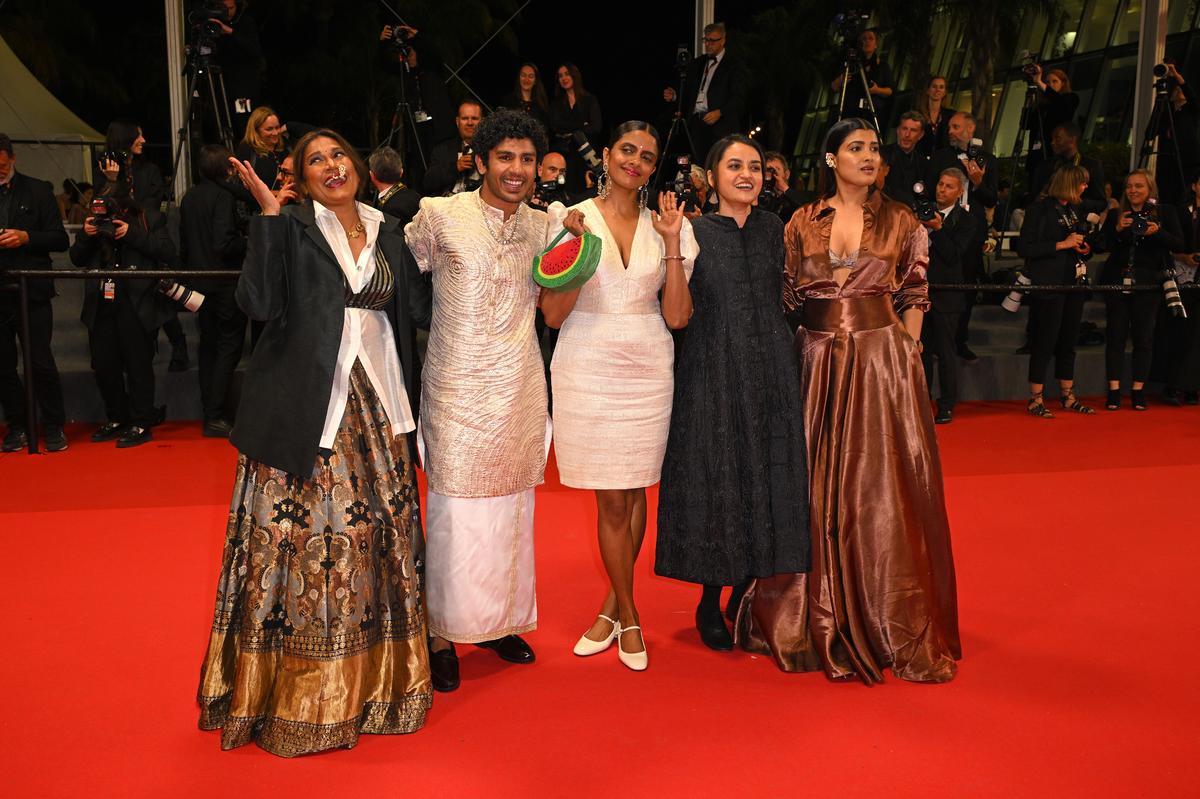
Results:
x,y
483,404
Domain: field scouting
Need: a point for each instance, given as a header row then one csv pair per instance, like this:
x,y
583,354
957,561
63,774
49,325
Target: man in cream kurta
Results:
x,y
483,411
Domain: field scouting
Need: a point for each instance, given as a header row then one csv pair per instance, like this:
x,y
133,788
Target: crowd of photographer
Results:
x,y
936,164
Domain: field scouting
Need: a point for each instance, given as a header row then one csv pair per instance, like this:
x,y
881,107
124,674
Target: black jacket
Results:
x,y
402,204
585,116
980,197
876,72
148,186
443,172
904,169
1053,109
31,207
209,236
292,281
145,246
240,57
1040,232
1094,201
947,248
726,93
1152,253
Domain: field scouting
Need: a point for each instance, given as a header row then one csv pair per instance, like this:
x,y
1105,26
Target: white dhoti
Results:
x,y
479,566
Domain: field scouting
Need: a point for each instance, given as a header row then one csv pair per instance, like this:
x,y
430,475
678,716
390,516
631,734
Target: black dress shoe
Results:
x,y
1191,398
179,357
108,431
511,648
15,439
943,416
217,428
443,670
713,631
967,354
56,439
134,436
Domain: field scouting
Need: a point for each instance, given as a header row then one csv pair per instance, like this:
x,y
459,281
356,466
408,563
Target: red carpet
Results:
x,y
1076,544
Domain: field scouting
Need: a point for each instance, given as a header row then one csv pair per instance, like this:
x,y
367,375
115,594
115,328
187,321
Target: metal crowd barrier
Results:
x,y
23,276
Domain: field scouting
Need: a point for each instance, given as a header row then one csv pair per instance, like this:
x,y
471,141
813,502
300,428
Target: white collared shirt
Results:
x,y
710,67
945,212
366,335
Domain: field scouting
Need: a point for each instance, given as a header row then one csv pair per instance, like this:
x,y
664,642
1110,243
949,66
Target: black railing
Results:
x,y
23,276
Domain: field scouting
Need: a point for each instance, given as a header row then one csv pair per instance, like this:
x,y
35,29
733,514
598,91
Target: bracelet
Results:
x,y
672,257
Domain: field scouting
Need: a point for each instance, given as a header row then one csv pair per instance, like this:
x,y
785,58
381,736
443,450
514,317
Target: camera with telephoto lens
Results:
x,y
923,206
588,153
105,212
190,299
1012,303
1171,293
1163,83
685,192
401,39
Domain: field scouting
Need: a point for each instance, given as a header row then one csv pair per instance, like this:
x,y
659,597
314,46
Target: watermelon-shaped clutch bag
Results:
x,y
567,266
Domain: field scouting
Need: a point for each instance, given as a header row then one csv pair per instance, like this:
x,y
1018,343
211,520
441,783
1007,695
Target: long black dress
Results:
x,y
733,502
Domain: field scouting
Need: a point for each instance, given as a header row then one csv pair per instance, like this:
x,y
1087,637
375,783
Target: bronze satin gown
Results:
x,y
881,592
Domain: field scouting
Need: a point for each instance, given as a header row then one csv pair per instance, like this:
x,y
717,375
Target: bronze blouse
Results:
x,y
892,259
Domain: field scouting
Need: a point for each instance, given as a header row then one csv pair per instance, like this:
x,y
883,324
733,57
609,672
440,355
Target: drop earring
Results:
x,y
602,183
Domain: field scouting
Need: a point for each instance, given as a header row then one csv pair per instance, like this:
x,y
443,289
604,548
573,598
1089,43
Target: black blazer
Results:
x,y
947,248
403,205
209,236
442,173
1040,232
145,246
1153,252
980,197
32,208
292,281
148,187
726,93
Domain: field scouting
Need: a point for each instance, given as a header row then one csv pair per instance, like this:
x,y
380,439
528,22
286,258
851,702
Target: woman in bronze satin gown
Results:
x,y
881,592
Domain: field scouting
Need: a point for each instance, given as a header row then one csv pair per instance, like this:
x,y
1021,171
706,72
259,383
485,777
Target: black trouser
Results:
x,y
973,272
1053,330
1183,345
46,385
174,330
222,339
123,362
937,342
1130,315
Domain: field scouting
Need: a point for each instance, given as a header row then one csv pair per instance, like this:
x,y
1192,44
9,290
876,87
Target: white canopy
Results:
x,y
30,113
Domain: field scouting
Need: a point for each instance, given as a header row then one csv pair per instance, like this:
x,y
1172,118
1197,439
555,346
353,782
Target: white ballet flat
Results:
x,y
638,661
586,646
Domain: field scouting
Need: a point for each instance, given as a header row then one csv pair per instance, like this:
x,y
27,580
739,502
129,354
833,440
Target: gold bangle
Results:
x,y
672,257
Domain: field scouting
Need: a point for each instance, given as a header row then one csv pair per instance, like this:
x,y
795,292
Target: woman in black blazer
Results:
x,y
320,582
1053,248
1139,258
574,110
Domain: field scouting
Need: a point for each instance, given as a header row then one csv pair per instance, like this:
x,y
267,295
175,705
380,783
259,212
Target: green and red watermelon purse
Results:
x,y
567,266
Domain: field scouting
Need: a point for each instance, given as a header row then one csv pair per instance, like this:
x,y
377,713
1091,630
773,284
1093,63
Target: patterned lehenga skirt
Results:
x,y
319,629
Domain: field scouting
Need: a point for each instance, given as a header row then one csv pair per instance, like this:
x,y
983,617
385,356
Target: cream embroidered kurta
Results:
x,y
483,398
483,415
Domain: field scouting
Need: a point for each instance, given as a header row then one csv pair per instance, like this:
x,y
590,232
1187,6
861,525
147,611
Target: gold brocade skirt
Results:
x,y
319,629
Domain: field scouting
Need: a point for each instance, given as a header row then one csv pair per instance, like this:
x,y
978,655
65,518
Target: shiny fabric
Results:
x,y
319,628
881,592
483,397
612,371
734,502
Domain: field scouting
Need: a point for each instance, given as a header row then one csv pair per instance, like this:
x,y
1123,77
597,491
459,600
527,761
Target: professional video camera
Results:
x,y
848,25
201,17
1029,65
923,205
401,39
685,192
1163,83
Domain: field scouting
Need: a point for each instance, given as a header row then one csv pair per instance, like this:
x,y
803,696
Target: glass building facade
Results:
x,y
1094,41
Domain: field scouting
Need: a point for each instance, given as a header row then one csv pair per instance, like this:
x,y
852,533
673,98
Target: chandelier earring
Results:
x,y
643,195
602,183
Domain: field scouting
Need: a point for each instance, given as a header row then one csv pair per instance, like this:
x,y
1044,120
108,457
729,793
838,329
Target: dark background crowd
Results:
x,y
397,90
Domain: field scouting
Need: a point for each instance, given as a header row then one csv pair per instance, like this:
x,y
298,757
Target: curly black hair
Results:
x,y
508,123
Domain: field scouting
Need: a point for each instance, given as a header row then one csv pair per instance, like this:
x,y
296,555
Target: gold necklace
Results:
x,y
356,231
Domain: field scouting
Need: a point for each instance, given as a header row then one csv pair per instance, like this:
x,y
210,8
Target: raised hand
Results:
x,y
262,194
669,219
574,222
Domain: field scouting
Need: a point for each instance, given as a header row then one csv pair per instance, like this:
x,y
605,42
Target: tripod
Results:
x,y
1029,110
677,122
1150,141
404,121
199,65
852,65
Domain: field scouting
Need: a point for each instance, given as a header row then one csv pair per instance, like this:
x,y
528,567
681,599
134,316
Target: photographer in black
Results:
x,y
124,159
714,93
966,153
1140,240
211,238
777,195
429,117
1178,143
1056,105
452,163
236,49
1180,336
552,183
1064,144
1054,244
951,237
880,82
123,316
30,229
905,158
